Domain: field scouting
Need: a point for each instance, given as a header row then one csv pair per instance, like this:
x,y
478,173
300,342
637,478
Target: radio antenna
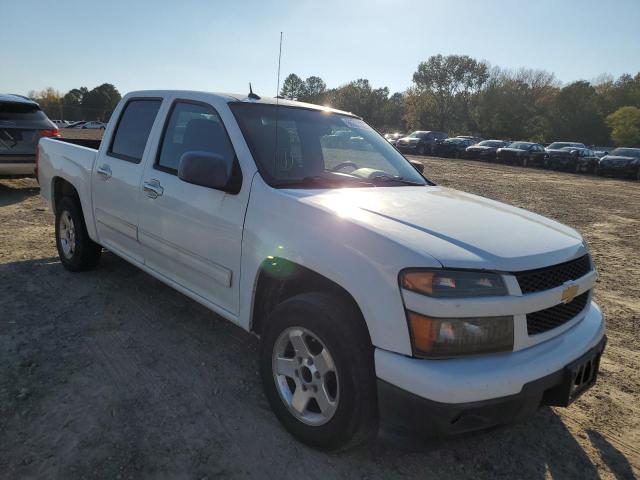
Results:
x,y
279,59
278,101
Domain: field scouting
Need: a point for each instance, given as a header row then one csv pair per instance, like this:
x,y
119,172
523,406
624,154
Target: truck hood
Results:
x,y
458,229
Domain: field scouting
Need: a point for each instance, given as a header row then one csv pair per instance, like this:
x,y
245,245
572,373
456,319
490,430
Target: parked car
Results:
x,y
60,123
621,162
522,153
22,124
77,124
393,138
420,142
485,150
601,151
453,147
470,137
586,160
93,125
560,145
375,293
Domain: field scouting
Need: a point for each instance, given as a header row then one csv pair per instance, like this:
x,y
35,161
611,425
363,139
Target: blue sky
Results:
x,y
222,45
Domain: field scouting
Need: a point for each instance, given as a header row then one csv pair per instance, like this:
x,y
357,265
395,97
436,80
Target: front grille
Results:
x,y
552,277
549,318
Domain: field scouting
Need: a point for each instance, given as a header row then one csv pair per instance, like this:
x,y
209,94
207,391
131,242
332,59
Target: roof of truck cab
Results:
x,y
244,98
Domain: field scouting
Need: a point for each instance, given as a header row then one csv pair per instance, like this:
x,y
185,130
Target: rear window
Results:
x,y
13,113
132,131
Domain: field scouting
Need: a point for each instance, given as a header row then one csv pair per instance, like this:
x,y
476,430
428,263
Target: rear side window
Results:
x,y
193,127
20,111
132,131
22,115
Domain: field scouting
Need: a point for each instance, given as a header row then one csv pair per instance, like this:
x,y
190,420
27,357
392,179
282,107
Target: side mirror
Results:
x,y
204,169
417,165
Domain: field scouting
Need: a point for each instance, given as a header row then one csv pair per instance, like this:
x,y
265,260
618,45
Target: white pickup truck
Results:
x,y
377,295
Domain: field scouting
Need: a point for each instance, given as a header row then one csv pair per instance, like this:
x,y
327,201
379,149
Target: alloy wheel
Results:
x,y
306,376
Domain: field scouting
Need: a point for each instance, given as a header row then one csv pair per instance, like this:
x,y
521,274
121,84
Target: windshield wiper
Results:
x,y
397,179
318,180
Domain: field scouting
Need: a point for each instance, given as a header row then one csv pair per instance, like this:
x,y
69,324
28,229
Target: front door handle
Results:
x,y
104,171
152,188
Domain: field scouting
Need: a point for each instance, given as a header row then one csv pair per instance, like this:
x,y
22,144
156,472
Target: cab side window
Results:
x,y
193,127
133,128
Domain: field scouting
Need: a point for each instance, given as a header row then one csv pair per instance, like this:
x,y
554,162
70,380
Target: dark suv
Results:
x,y
22,124
420,142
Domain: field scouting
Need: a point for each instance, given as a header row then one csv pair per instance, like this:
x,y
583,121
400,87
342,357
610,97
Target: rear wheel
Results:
x,y
76,250
316,363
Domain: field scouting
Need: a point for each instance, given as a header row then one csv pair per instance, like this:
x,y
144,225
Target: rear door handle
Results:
x,y
104,171
152,188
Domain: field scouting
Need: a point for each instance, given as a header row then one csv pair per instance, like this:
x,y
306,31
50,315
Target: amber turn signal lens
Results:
x,y
423,331
418,281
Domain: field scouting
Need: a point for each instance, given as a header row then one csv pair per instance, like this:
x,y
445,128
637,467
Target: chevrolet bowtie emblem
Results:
x,y
569,293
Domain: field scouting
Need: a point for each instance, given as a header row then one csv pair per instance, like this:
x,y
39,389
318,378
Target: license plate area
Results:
x,y
577,378
582,375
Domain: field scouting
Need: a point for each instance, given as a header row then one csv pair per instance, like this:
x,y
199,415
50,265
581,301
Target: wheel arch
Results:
x,y
279,279
60,188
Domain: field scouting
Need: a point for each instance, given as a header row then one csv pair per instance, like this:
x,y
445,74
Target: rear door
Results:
x,y
192,234
117,174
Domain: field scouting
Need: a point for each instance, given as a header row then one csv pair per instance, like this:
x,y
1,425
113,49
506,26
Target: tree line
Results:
x,y
78,103
461,95
455,93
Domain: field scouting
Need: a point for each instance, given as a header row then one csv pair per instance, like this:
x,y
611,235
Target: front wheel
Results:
x,y
76,250
316,363
420,150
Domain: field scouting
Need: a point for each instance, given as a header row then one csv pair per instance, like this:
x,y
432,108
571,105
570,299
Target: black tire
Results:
x,y
420,150
338,324
86,253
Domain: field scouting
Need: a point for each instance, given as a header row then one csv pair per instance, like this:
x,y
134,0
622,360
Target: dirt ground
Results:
x,y
111,374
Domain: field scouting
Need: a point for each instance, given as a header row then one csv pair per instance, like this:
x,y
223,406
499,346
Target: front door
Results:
x,y
116,178
189,233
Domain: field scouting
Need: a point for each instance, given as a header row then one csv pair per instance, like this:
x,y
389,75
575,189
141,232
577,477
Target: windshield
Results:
x,y
416,134
561,145
626,152
521,145
492,143
299,147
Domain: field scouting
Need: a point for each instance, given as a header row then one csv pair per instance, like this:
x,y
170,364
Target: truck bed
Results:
x,y
84,142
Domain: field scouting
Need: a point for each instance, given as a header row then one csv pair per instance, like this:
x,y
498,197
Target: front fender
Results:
x,y
365,263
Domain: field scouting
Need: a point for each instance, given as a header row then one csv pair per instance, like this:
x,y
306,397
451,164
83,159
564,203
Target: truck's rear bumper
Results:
x,y
514,381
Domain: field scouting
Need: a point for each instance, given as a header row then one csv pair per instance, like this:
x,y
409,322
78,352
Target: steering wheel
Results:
x,y
342,165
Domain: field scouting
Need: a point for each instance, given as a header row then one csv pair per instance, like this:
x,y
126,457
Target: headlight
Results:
x,y
448,337
452,283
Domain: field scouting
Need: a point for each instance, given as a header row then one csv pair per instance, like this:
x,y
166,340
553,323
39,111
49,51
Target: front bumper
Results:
x,y
618,170
400,408
492,389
